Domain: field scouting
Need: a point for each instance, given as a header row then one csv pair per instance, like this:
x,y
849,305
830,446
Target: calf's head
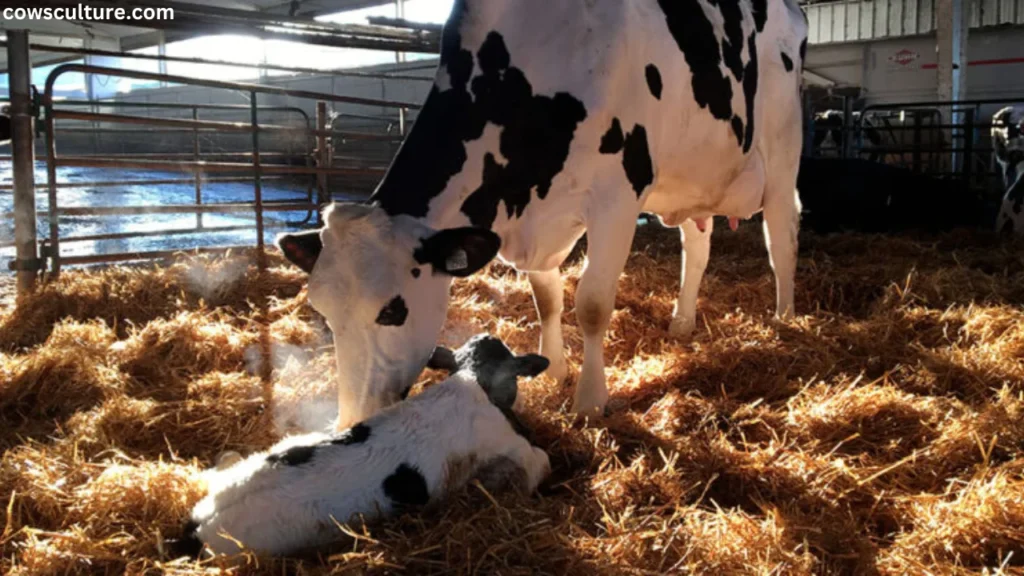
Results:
x,y
492,365
382,284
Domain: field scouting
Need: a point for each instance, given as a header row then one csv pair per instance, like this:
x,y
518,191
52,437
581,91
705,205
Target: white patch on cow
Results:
x,y
278,508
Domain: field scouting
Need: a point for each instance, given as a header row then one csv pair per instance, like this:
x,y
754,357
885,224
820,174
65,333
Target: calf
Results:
x,y
547,120
290,497
1008,142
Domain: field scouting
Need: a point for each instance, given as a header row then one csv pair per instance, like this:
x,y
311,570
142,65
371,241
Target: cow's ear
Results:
x,y
458,251
301,249
531,365
443,359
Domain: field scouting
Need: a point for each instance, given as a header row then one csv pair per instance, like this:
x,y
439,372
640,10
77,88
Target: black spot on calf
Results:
x,y
803,51
636,158
415,272
750,90
653,80
787,62
406,487
294,456
189,544
393,313
613,139
354,435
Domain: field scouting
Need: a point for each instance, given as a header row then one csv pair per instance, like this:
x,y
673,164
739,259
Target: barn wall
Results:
x,y
894,70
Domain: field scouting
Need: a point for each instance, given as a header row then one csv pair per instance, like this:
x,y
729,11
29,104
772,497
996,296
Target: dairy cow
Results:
x,y
1008,143
547,120
288,498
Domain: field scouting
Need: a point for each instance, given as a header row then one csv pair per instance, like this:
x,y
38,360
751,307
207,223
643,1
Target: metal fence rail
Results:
x,y
312,159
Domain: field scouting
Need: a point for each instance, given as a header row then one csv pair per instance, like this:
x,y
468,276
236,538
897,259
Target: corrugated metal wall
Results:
x,y
871,19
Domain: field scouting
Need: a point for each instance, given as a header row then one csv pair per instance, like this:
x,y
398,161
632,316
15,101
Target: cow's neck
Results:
x,y
433,157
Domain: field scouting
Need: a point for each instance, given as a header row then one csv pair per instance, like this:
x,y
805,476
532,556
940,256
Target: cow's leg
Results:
x,y
781,226
548,296
696,249
610,232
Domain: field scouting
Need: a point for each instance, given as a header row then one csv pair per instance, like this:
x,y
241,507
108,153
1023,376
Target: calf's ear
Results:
x,y
442,359
301,248
458,251
531,364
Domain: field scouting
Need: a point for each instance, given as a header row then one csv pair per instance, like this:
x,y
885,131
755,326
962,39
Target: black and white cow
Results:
x,y
1008,142
288,498
548,120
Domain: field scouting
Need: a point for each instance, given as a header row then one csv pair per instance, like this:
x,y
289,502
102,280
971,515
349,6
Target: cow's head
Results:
x,y
382,284
1008,144
492,365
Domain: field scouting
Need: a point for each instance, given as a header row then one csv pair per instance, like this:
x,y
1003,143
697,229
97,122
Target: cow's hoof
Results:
x,y
558,369
590,405
682,327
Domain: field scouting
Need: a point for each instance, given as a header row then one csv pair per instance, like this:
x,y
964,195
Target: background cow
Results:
x,y
548,120
290,497
1008,142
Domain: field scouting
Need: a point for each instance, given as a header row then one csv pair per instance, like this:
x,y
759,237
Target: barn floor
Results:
x,y
882,431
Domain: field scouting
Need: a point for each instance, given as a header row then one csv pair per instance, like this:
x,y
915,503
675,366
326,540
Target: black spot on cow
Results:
x,y
354,435
787,62
613,139
406,487
294,456
534,141
803,52
759,8
737,129
653,76
636,158
393,313
750,90
695,37
189,544
636,155
415,272
732,46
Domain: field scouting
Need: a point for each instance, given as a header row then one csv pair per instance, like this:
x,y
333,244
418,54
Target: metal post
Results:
x,y
162,51
256,173
968,160
197,175
847,150
323,153
23,159
916,154
401,121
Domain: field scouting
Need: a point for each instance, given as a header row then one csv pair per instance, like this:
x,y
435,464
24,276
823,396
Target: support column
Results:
x,y
951,35
23,159
400,15
162,51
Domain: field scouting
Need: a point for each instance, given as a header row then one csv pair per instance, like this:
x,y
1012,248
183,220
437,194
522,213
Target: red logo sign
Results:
x,y
904,57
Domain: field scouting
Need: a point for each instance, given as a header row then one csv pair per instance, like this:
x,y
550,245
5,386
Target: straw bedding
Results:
x,y
881,431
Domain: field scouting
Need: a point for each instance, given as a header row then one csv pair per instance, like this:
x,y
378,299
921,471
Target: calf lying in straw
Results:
x,y
289,498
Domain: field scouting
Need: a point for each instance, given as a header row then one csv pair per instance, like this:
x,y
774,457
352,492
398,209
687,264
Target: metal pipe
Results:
x,y
239,86
150,255
23,152
323,153
256,183
216,62
219,208
168,166
196,158
107,183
